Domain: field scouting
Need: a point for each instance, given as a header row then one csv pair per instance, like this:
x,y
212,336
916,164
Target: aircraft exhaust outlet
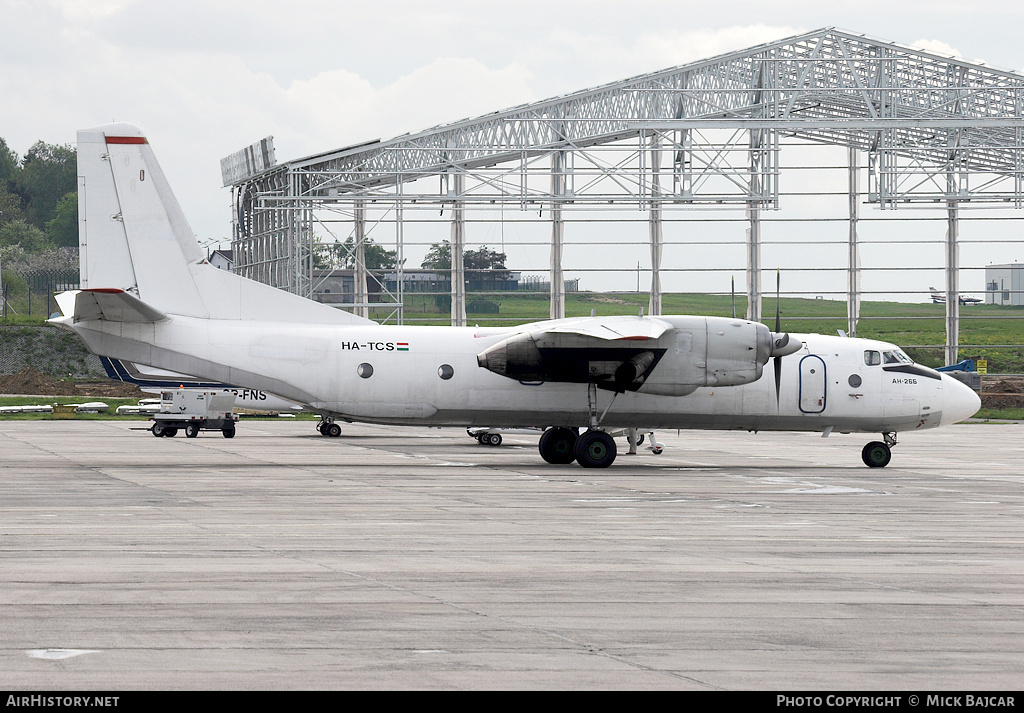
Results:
x,y
633,369
517,358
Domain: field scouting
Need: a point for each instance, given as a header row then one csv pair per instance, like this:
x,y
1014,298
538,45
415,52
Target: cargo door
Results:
x,y
812,384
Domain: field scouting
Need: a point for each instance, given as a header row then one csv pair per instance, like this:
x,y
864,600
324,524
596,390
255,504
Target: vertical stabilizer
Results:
x,y
133,232
108,263
134,237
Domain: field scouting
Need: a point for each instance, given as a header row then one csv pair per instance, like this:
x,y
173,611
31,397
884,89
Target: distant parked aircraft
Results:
x,y
939,298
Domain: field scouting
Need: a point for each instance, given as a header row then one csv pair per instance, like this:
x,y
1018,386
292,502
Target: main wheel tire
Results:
x,y
333,430
191,430
595,449
558,445
494,439
876,454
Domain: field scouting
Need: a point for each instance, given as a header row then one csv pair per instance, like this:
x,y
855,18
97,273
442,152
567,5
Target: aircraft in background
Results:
x,y
939,298
149,296
154,381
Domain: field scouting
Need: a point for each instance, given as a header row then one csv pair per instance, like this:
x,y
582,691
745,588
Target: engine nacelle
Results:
x,y
695,352
615,364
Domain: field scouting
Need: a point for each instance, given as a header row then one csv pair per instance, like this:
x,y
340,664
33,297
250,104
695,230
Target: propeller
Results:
x,y
780,340
733,292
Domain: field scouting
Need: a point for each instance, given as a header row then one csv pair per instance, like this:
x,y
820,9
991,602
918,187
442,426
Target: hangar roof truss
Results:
x,y
928,123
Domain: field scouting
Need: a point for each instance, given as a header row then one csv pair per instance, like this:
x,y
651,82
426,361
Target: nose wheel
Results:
x,y
878,454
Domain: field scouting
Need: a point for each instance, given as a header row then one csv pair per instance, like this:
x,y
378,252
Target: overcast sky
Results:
x,y
206,78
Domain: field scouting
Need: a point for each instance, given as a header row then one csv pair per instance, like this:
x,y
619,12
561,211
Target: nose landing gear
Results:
x,y
878,454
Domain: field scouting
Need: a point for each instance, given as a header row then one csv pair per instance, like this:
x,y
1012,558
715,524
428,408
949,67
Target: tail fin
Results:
x,y
134,237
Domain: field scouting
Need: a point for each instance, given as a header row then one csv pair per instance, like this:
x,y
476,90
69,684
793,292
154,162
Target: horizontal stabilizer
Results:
x,y
113,305
612,328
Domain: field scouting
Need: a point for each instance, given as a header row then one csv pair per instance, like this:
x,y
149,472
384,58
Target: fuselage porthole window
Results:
x,y
364,370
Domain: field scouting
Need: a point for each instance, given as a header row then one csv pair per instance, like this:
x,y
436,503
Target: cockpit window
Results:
x,y
896,356
872,358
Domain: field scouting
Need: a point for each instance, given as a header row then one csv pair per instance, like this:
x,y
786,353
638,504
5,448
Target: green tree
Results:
x,y
8,164
29,237
10,205
63,229
48,173
439,257
343,256
10,202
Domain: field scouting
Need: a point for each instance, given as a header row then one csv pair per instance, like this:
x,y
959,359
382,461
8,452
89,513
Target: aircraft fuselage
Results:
x,y
430,375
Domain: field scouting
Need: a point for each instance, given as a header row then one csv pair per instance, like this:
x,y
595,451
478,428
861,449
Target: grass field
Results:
x,y
921,328
918,327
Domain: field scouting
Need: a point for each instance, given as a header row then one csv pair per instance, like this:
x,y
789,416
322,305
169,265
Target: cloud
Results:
x,y
205,79
338,107
937,47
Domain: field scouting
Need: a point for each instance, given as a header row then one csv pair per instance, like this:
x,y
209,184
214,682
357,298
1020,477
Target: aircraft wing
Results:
x,y
619,350
612,328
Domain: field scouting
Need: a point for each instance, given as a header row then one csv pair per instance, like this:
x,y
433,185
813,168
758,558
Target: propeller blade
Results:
x,y
733,292
780,342
778,379
778,312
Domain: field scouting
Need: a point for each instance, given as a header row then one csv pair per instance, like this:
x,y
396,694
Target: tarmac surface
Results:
x,y
401,558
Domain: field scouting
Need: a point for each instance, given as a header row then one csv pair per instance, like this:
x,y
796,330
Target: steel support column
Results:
x,y
400,252
300,244
654,219
359,274
952,282
558,165
853,249
458,251
754,263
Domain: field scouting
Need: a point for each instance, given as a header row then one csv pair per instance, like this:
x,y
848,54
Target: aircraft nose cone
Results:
x,y
958,401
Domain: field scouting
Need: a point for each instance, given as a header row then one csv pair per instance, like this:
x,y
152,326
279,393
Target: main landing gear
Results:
x,y
591,449
327,427
594,448
878,454
558,445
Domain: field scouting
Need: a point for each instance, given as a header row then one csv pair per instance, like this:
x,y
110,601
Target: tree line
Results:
x,y
439,257
38,197
38,225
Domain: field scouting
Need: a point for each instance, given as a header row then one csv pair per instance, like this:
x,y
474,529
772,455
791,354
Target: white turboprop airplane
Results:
x,y
148,296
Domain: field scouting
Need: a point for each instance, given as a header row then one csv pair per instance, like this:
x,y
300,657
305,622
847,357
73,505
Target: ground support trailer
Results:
x,y
195,410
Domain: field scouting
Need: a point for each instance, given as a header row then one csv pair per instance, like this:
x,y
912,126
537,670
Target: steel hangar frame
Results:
x,y
935,131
